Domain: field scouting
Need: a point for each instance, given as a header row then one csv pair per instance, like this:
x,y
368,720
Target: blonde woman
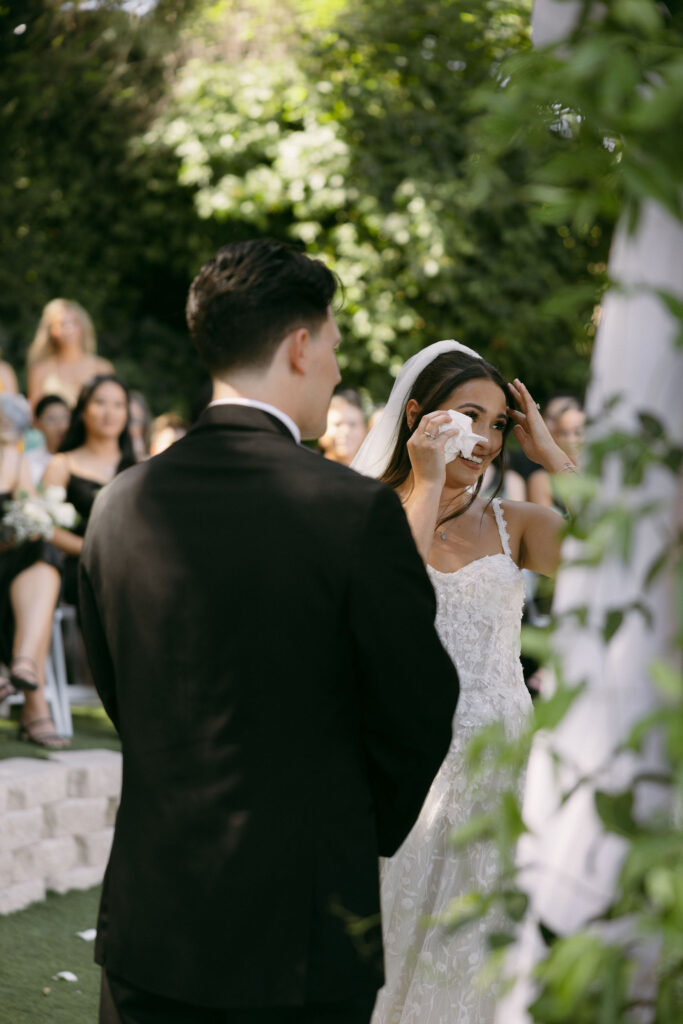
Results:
x,y
62,356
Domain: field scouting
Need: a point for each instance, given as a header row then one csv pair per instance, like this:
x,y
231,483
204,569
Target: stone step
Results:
x,y
56,819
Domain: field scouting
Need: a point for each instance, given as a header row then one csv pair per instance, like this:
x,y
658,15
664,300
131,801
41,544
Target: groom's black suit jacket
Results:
x,y
260,629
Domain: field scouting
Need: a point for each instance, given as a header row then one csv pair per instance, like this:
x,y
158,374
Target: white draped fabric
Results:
x,y
570,864
575,862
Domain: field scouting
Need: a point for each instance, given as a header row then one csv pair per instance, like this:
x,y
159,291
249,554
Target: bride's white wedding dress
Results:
x,y
431,975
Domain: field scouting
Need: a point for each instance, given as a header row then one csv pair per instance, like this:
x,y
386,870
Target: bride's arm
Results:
x,y
540,537
423,494
533,435
422,509
541,528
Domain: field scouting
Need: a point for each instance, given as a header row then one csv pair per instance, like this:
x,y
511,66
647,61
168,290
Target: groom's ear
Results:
x,y
298,343
413,410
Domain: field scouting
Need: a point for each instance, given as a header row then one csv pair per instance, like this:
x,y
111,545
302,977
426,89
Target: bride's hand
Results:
x,y
426,449
532,432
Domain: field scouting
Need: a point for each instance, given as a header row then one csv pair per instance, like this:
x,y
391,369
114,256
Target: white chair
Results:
x,y
56,682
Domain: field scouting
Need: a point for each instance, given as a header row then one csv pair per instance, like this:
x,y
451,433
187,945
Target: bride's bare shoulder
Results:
x,y
523,517
527,512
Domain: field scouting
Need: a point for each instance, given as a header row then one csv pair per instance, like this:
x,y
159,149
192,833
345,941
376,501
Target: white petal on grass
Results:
x,y
65,976
88,935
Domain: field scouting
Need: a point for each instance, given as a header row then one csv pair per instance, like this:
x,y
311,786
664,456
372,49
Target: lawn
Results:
x,y
38,943
92,729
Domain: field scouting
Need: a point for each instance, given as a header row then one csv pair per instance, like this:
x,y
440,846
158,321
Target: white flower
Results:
x,y
54,494
27,518
36,512
65,515
464,441
61,512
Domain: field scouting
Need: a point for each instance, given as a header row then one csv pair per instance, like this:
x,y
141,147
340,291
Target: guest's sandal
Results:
x,y
23,674
42,732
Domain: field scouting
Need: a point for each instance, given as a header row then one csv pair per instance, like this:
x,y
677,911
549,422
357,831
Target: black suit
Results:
x,y
260,629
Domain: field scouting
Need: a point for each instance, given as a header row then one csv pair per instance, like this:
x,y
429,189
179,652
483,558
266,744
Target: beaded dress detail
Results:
x,y
431,975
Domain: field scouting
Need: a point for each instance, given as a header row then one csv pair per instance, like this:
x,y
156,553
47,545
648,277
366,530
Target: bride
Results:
x,y
474,551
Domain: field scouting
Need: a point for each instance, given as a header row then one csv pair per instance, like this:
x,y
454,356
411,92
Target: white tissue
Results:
x,y
464,441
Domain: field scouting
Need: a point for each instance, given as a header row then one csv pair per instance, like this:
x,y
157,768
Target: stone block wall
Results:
x,y
56,823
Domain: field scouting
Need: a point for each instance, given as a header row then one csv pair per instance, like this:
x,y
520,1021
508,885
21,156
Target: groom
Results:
x,y
260,629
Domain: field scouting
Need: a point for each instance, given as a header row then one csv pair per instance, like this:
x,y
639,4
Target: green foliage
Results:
x,y
82,214
549,713
616,812
134,147
602,118
406,143
353,140
583,980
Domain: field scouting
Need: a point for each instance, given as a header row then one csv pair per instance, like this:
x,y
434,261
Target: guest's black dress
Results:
x,y
14,561
81,492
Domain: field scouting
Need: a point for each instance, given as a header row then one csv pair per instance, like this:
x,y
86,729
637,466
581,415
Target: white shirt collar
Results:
x,y
265,407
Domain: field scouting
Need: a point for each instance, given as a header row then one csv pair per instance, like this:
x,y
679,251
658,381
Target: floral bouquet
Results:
x,y
30,517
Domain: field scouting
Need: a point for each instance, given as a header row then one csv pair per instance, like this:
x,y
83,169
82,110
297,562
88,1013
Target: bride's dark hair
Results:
x,y
433,386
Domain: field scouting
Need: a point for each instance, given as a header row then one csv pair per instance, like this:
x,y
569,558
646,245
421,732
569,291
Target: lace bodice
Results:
x,y
431,975
478,620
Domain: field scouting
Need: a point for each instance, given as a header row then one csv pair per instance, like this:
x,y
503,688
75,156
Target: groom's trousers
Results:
x,y
122,1003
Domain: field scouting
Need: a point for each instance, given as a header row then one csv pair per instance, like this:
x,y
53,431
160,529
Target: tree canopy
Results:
x,y
135,146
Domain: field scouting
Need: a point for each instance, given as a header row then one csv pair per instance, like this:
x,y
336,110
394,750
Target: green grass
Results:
x,y
37,943
92,729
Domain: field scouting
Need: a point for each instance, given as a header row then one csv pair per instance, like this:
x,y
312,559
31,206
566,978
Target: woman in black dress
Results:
x,y
29,589
97,446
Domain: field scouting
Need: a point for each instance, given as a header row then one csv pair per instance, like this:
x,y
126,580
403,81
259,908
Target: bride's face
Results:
x,y
485,404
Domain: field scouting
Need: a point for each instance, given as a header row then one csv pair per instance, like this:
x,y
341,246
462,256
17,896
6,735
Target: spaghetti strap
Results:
x,y
502,526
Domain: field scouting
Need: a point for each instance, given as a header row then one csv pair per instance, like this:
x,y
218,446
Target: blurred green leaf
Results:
x,y
616,812
550,711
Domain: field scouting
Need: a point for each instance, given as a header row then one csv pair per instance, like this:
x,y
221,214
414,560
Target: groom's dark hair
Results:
x,y
245,300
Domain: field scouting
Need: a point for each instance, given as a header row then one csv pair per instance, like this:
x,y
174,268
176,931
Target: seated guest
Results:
x,y
51,418
566,420
518,469
346,427
96,447
62,356
8,379
16,418
166,430
376,415
139,425
29,588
